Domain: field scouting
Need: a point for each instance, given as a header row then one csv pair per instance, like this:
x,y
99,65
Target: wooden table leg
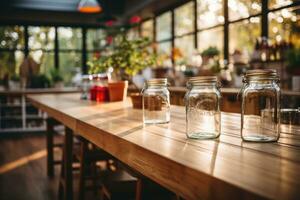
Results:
x,y
68,164
50,147
66,179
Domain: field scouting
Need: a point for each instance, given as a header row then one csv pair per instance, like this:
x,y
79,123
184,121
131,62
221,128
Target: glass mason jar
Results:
x,y
260,120
156,101
85,84
202,102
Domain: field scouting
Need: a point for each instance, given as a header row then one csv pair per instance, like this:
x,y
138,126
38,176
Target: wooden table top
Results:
x,y
39,91
224,168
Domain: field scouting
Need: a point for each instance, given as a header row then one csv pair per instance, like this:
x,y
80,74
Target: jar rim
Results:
x,y
260,73
157,81
203,79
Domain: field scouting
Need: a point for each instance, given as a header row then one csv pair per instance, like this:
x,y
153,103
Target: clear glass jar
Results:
x,y
202,102
260,120
156,102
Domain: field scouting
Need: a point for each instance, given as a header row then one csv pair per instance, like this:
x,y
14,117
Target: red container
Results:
x,y
102,94
93,93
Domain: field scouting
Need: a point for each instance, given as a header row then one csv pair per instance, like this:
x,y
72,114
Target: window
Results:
x,y
12,37
163,26
70,51
69,38
41,47
133,33
284,25
11,49
210,13
184,19
184,49
96,39
243,36
279,3
147,29
211,38
164,54
243,8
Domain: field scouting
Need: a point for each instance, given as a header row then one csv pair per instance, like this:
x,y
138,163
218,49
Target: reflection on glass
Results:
x,y
95,38
163,26
147,29
12,37
283,25
68,62
209,38
69,38
210,13
242,36
185,45
279,3
184,19
41,37
164,53
243,8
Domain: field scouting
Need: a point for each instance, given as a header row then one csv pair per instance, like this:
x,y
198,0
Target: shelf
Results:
x,y
20,117
22,130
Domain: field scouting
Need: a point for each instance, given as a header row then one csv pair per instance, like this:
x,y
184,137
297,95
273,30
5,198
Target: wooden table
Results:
x,y
226,168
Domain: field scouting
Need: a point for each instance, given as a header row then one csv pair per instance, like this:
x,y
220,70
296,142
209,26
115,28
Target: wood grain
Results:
x,y
195,169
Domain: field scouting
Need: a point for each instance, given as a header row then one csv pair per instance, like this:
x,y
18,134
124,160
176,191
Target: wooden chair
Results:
x,y
88,156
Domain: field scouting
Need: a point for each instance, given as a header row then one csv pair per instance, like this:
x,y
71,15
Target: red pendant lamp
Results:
x,y
89,6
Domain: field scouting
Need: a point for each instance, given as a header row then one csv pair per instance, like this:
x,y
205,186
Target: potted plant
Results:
x,y
56,78
39,81
126,58
209,53
293,67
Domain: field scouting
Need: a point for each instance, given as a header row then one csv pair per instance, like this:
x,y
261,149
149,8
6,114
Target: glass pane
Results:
x,y
279,3
133,33
41,37
184,49
45,59
69,38
164,54
147,29
96,39
184,19
10,62
243,8
69,63
94,54
12,37
285,25
243,36
163,26
209,13
211,38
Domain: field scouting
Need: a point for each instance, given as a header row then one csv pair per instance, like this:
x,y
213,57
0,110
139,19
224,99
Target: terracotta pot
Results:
x,y
137,100
117,90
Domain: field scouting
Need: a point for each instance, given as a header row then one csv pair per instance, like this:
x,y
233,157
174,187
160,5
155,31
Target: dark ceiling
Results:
x,y
64,12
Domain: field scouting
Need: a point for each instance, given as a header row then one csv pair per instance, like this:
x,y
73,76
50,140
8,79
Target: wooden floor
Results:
x,y
23,169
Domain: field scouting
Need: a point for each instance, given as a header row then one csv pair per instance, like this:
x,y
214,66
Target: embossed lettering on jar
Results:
x,y
260,119
202,101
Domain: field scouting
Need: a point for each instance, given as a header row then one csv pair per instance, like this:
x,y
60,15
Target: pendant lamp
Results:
x,y
89,6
